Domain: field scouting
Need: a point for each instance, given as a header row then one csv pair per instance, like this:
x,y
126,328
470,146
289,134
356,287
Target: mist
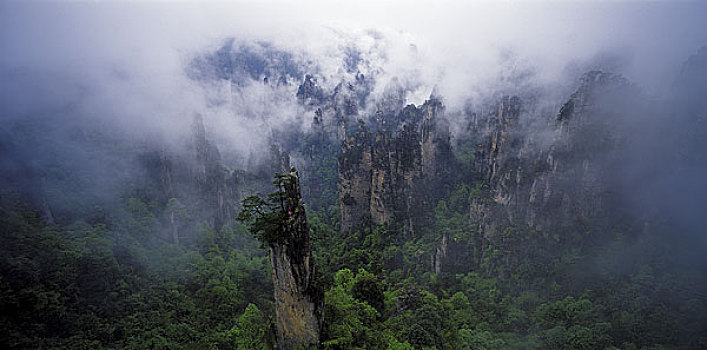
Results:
x,y
127,69
546,189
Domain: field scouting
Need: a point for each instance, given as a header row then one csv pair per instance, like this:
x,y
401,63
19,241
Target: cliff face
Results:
x,y
355,178
334,111
217,186
194,186
383,175
436,148
558,177
298,303
565,182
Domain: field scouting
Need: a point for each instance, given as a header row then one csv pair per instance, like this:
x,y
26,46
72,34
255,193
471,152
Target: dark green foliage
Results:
x,y
152,273
83,286
350,323
123,285
252,331
266,217
368,289
524,290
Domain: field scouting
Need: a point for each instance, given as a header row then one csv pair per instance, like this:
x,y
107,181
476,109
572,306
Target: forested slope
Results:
x,y
514,224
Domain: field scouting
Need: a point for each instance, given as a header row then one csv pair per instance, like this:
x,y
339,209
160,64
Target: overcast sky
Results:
x,y
125,61
654,35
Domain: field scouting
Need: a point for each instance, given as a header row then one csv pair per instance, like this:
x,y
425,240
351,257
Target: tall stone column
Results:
x,y
298,302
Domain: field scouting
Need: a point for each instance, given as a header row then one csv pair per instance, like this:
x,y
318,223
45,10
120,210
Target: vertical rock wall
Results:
x,y
355,178
298,302
560,184
555,177
389,173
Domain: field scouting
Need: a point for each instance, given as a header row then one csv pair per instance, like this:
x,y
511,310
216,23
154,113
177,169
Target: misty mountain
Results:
x,y
501,185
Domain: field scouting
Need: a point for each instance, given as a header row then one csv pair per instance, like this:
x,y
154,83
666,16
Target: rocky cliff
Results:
x,y
560,181
553,177
389,173
217,185
355,179
557,176
298,302
194,186
335,111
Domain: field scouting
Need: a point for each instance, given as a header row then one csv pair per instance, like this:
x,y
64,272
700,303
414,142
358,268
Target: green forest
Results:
x,y
313,175
106,279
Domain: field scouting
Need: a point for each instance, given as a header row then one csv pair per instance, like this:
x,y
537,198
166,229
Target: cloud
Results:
x,y
124,65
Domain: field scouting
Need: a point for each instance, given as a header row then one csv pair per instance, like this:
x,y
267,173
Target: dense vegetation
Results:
x,y
473,177
113,285
115,282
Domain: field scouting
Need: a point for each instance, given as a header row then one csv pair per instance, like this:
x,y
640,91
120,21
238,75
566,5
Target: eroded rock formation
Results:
x,y
193,186
389,173
355,179
547,184
298,302
552,178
